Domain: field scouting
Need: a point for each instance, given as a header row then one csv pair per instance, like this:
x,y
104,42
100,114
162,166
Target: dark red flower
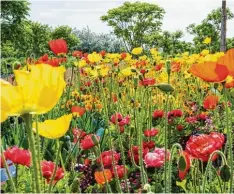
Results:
x,y
135,153
150,144
180,127
47,168
158,114
202,116
107,158
88,141
210,102
156,158
121,171
18,156
202,146
58,46
151,132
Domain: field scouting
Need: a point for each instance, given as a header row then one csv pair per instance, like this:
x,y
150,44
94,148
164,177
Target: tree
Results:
x,y
133,22
13,13
91,41
67,34
210,27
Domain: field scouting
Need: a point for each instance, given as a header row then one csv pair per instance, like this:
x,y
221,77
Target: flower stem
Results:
x,y
28,122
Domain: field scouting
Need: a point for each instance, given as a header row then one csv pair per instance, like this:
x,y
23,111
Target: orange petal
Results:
x,y
228,61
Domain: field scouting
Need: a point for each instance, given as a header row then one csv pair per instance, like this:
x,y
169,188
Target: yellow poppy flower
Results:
x,y
126,72
137,51
94,57
207,40
80,64
53,129
37,91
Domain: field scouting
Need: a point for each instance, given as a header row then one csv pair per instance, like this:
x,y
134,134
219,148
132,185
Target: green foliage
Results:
x,y
133,22
67,34
91,42
209,27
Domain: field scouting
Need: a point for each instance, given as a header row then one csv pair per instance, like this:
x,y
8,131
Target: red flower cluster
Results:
x,y
18,156
175,113
107,158
47,168
58,46
150,144
135,153
54,62
117,118
202,146
158,114
78,54
151,132
156,158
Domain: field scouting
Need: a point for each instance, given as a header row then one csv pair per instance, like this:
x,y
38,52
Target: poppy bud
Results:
x,y
141,77
165,87
225,173
168,66
182,163
133,70
135,82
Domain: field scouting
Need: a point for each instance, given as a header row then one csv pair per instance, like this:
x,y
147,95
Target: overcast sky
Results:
x,y
82,13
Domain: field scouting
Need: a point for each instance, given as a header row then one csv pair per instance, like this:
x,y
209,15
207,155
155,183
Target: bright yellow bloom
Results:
x,y
94,57
54,129
81,63
205,52
37,91
207,40
137,51
126,72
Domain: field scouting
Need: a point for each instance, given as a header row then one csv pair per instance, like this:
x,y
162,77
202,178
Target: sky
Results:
x,y
82,13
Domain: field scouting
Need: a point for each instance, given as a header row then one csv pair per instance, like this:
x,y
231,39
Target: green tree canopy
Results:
x,y
209,27
133,22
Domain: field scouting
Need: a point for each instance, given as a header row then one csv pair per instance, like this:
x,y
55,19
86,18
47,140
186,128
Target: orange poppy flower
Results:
x,y
77,110
210,102
100,178
215,71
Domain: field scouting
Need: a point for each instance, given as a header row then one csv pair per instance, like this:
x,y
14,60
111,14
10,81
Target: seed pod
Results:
x,y
182,163
168,66
225,173
165,87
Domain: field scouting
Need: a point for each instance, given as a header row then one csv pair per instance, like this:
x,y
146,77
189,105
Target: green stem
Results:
x,y
28,122
229,140
56,167
208,167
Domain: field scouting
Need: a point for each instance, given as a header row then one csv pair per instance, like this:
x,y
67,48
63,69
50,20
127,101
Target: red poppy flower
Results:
x,y
107,158
117,118
180,127
77,54
151,132
158,114
175,113
210,102
187,158
158,67
79,110
103,53
202,116
215,71
123,55
121,170
202,146
156,158
102,177
88,141
58,46
44,58
18,156
47,168
148,82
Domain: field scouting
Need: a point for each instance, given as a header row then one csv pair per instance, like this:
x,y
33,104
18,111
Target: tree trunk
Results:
x,y
223,27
